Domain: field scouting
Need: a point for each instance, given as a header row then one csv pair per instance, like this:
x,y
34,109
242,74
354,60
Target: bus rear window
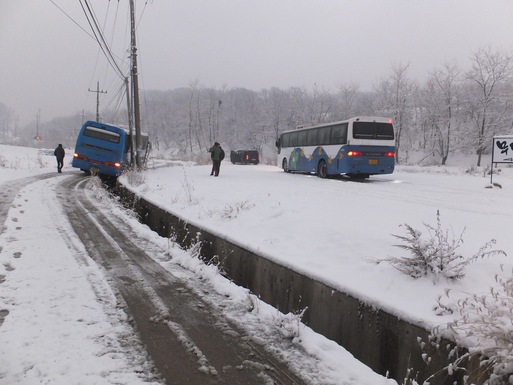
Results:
x,y
373,130
101,134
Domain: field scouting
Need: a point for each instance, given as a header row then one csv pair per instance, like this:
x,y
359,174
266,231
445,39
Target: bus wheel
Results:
x,y
321,169
284,165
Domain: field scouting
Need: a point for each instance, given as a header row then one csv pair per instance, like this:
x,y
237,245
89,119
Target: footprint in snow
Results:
x,y
8,267
3,314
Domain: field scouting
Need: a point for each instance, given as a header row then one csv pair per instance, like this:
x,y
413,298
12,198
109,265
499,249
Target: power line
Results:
x,y
100,38
98,32
73,20
120,94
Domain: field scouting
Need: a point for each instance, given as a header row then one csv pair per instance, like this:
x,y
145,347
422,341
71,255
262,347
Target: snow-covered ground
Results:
x,y
59,303
334,230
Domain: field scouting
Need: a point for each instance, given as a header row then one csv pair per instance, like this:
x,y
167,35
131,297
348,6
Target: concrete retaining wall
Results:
x,y
385,343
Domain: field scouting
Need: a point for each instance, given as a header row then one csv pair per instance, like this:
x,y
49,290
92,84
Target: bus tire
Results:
x,y
322,169
284,165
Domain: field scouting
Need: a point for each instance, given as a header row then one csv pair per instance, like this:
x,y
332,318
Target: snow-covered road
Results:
x,y
188,339
65,320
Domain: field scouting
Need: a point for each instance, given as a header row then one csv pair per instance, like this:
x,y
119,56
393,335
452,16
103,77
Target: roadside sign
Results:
x,y
502,149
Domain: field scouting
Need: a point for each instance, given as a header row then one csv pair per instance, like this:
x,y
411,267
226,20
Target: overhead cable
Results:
x,y
73,20
99,37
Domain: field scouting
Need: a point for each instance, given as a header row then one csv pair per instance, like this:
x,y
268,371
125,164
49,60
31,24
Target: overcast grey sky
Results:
x,y
48,63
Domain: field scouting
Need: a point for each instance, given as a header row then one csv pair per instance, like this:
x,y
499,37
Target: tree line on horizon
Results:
x,y
453,110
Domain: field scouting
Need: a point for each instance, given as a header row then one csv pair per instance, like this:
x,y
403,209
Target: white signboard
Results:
x,y
502,149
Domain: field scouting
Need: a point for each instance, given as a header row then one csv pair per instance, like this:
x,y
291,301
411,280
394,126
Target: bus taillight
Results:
x,y
78,156
112,164
354,153
390,154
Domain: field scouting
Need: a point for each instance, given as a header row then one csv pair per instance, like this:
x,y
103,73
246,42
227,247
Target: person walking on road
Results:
x,y
59,154
217,155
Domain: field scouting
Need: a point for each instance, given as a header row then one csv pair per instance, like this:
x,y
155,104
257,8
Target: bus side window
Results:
x,y
339,134
324,136
301,139
312,137
293,139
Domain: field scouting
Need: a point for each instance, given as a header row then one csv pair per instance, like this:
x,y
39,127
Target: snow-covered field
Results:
x,y
341,232
62,323
336,230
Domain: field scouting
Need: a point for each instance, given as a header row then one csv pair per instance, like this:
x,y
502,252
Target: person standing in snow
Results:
x,y
59,154
217,155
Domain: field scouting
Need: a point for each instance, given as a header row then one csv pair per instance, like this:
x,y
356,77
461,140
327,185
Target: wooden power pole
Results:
x,y
135,87
98,92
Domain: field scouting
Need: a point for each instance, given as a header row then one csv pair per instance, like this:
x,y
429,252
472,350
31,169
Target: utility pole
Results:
x,y
83,115
98,92
135,86
38,117
130,120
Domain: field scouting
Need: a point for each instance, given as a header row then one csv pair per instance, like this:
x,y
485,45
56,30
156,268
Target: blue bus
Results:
x,y
105,149
357,147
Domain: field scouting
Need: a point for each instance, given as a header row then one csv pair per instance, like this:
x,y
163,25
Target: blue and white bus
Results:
x,y
105,149
357,147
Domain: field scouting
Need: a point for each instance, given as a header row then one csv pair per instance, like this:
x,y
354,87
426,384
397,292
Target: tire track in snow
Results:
x,y
180,330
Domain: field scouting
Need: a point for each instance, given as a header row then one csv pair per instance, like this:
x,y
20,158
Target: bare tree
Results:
x,y
440,102
275,109
191,124
395,98
6,117
167,117
215,102
486,103
320,105
296,113
198,128
244,118
347,101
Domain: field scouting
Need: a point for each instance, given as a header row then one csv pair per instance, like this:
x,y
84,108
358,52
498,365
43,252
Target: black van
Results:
x,y
245,157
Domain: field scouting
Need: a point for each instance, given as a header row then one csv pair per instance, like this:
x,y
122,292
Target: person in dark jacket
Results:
x,y
59,154
217,155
